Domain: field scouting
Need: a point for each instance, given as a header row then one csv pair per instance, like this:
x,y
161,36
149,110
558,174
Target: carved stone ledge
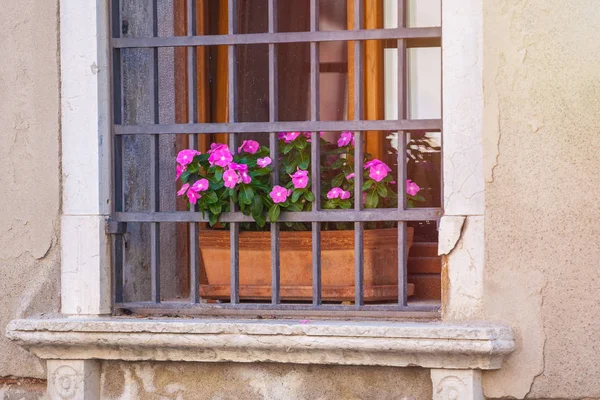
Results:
x,y
456,384
73,380
400,344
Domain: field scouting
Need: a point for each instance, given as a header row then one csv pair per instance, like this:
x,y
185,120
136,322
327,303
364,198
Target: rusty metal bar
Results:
x,y
337,311
403,105
232,107
274,148
280,37
315,153
428,125
118,202
192,77
359,273
380,214
154,163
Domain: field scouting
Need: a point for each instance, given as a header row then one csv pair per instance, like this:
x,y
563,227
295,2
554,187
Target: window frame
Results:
x,y
87,201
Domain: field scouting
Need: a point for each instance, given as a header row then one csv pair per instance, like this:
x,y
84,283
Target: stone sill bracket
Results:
x,y
455,353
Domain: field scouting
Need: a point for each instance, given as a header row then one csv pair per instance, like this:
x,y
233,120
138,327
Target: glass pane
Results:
x,y
421,13
425,82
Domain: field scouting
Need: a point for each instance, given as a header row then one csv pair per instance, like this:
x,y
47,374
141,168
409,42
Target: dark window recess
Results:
x,y
252,69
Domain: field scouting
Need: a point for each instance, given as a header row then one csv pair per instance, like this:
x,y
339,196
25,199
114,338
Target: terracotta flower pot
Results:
x,y
337,265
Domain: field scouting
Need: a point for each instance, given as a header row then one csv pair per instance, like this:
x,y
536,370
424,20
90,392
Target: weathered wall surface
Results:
x,y
29,171
194,381
541,133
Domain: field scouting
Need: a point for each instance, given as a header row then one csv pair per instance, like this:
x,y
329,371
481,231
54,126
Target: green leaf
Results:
x,y
290,168
300,142
215,208
260,172
329,205
382,190
288,147
337,180
340,162
309,196
295,207
213,219
303,160
274,212
216,185
185,176
296,195
210,197
345,204
218,174
261,220
246,194
257,206
368,184
372,200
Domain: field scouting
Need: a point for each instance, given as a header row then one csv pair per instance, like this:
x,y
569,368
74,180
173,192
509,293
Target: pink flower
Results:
x,y
180,170
350,176
279,194
290,136
231,178
201,185
335,193
412,188
246,178
263,162
378,172
300,179
221,157
217,146
345,195
186,156
193,196
238,167
345,139
181,191
373,162
249,146
378,169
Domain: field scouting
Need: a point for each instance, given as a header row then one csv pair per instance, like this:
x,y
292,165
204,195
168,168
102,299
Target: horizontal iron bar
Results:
x,y
380,214
429,125
278,37
179,307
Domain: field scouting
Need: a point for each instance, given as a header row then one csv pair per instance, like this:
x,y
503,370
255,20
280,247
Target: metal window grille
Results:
x,y
402,37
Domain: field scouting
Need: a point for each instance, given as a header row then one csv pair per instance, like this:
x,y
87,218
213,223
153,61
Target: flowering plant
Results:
x,y
215,180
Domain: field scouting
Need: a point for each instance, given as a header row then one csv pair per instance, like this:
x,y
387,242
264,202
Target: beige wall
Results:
x,y
149,381
29,171
542,152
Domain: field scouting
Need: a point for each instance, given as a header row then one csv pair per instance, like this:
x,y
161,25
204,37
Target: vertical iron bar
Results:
x,y
402,114
315,155
359,297
118,199
192,77
232,85
154,165
273,146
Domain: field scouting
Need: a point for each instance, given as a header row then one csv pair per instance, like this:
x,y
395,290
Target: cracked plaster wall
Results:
x,y
148,381
541,140
29,171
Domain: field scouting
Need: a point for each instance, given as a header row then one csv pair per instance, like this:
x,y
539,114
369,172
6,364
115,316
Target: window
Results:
x,y
226,71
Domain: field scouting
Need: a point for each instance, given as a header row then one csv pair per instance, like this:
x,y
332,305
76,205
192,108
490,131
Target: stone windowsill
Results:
x,y
400,344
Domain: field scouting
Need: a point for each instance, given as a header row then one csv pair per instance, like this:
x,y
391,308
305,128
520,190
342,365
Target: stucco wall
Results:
x,y
148,381
541,133
29,171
